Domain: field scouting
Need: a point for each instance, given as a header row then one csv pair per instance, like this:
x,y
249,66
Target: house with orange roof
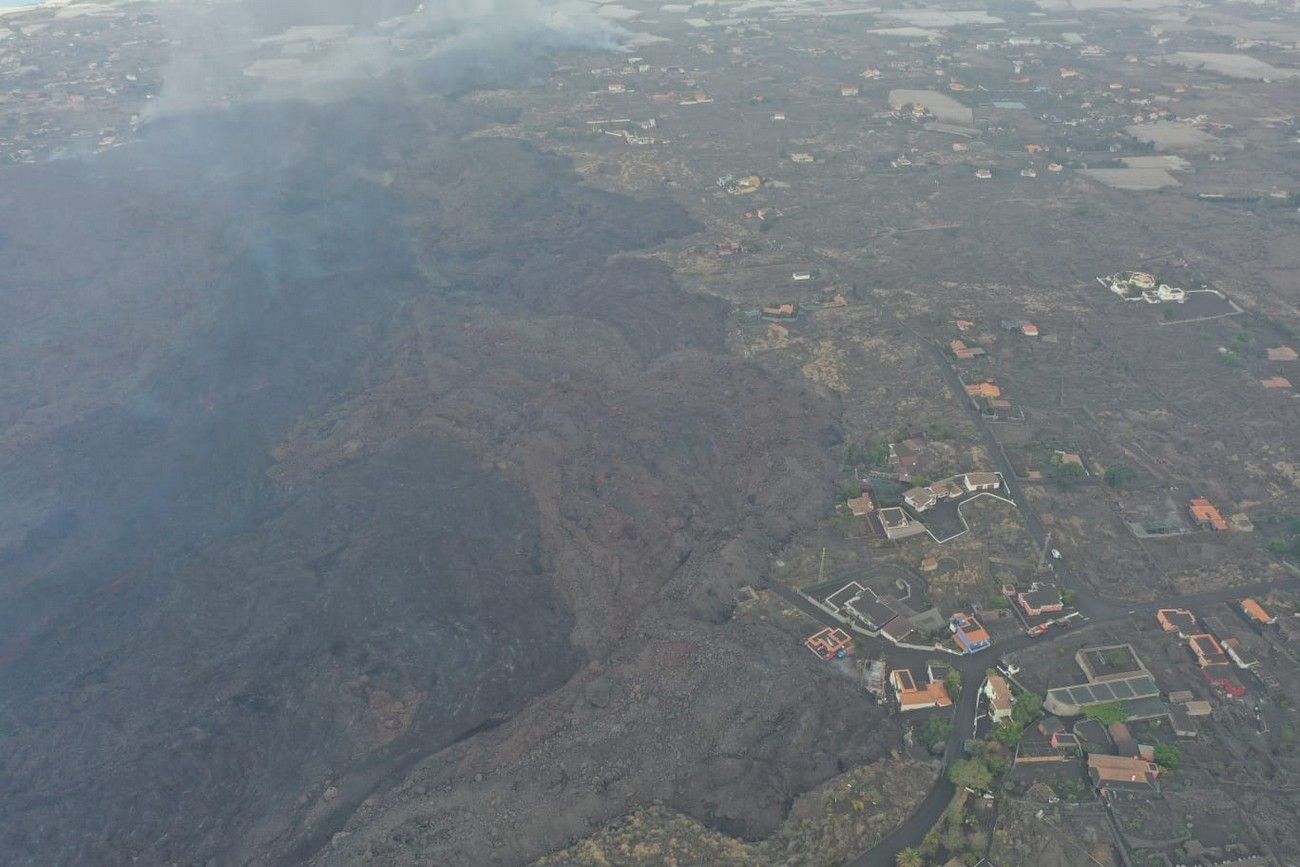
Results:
x,y
983,389
861,506
965,325
1282,353
1029,329
1276,382
1113,774
1208,650
781,311
913,697
1178,620
1206,515
968,634
1255,612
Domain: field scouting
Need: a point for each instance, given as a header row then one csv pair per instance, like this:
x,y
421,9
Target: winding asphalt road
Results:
x,y
1093,606
913,830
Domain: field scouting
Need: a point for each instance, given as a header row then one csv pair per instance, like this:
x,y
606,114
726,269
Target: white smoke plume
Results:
x,y
322,50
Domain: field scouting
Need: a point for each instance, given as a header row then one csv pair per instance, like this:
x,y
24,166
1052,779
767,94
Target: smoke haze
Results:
x,y
335,49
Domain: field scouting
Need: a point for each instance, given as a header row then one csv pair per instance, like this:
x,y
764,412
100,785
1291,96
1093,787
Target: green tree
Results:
x,y
1028,706
934,734
940,430
909,857
971,773
1168,756
1008,734
1108,713
1119,475
953,684
1067,474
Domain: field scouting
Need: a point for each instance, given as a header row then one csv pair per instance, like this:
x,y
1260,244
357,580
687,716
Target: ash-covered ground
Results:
x,y
366,495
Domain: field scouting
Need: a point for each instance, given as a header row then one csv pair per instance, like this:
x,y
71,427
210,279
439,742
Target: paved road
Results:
x,y
1095,607
913,830
931,808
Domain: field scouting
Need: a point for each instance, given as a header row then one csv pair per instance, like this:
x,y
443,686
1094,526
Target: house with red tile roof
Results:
x,y
1178,620
1114,774
1208,650
910,696
861,506
1256,612
1206,515
968,634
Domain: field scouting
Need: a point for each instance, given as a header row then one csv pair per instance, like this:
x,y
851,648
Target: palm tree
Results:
x,y
909,857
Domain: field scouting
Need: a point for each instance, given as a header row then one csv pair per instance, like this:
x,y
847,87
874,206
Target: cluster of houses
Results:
x,y
1276,354
964,351
1141,286
987,397
920,499
1215,643
1115,673
899,523
1117,764
862,607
